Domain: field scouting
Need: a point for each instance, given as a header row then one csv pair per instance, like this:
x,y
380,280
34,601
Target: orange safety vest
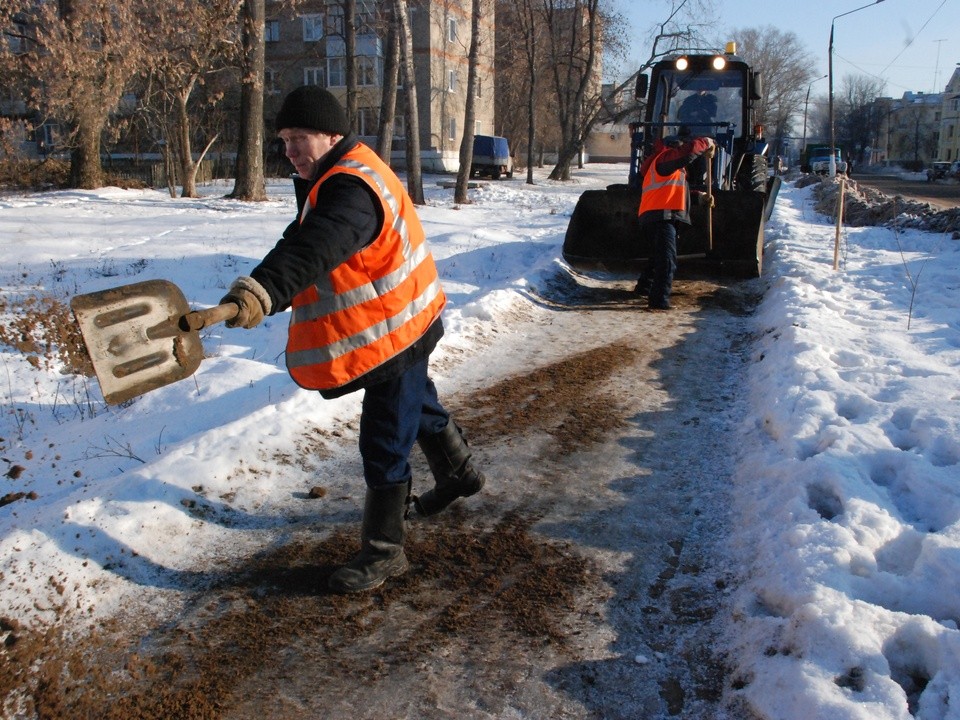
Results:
x,y
374,305
663,192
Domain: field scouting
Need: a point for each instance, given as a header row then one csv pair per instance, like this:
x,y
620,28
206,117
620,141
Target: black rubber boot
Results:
x,y
643,285
449,459
381,548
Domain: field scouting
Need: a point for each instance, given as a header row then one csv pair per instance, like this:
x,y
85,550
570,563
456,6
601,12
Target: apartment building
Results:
x,y
949,141
307,48
907,129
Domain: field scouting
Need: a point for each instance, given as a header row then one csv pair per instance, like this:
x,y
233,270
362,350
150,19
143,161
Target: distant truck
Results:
x,y
817,160
491,157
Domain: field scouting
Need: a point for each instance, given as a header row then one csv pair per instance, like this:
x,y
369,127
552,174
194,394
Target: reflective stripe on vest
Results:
x,y
663,192
374,305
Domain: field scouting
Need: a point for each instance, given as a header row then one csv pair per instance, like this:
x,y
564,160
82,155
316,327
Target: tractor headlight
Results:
x,y
719,62
682,63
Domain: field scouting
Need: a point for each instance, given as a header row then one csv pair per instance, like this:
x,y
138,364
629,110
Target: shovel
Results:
x,y
710,203
143,336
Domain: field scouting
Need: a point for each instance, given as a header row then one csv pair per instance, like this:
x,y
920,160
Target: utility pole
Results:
x,y
833,135
936,71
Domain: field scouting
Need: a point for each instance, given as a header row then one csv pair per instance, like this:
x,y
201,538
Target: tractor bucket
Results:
x,y
604,233
773,189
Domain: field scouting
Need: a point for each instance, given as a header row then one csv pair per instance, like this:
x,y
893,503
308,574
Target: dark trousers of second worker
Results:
x,y
663,263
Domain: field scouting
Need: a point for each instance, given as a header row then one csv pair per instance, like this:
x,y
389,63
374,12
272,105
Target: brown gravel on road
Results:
x,y
520,600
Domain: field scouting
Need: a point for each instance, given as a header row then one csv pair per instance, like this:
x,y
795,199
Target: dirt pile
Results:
x,y
864,206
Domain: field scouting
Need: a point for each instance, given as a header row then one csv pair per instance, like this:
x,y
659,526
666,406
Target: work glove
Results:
x,y
705,199
711,148
252,299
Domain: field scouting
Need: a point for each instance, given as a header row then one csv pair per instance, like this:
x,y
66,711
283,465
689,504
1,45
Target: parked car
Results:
x,y
938,171
491,157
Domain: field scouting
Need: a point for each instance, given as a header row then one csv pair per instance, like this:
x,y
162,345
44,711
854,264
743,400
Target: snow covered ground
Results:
x,y
849,515
847,490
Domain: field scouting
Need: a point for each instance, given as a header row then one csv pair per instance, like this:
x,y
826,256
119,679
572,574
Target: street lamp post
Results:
x,y
833,137
806,104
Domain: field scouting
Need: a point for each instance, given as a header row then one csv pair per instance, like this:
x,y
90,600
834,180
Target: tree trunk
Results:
x,y
528,27
86,172
388,101
470,112
573,55
350,61
249,184
414,175
188,168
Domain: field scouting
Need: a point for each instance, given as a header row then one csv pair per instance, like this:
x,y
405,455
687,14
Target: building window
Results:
x,y
315,76
452,30
47,136
336,77
335,19
271,31
400,125
367,121
479,85
366,18
271,82
453,129
452,83
367,71
312,28
16,41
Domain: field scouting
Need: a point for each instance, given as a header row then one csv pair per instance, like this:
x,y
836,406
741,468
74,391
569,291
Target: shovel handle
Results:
x,y
199,319
710,203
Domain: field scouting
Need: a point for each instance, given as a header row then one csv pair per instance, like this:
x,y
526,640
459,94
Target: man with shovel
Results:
x,y
664,202
365,302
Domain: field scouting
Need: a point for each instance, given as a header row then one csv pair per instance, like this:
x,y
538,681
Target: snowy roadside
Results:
x,y
848,490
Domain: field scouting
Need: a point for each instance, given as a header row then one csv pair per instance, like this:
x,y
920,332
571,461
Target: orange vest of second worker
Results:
x,y
377,303
663,192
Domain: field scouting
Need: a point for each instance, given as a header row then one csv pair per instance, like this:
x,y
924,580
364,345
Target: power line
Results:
x,y
910,42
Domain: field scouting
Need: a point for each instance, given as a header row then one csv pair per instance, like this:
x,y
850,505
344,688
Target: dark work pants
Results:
x,y
393,414
664,261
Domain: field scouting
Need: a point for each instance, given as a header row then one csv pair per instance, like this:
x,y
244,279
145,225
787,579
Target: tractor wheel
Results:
x,y
753,174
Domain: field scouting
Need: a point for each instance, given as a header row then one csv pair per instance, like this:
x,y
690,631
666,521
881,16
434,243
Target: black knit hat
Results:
x,y
312,108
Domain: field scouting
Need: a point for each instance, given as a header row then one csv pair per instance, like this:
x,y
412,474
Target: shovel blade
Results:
x,y
134,340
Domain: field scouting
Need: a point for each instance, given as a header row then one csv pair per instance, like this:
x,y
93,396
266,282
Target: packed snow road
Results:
x,y
586,581
175,564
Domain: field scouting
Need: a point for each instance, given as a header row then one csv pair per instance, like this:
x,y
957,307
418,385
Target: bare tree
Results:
x,y
470,112
530,31
414,174
574,51
786,67
388,98
184,53
249,183
856,122
75,60
350,50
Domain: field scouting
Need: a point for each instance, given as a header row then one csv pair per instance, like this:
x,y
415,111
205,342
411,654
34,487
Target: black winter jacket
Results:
x,y
347,217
